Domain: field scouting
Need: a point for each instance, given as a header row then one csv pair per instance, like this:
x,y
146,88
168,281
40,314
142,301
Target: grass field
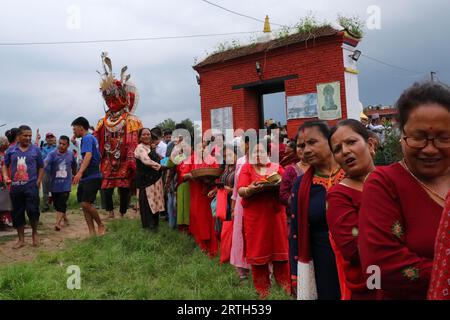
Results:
x,y
127,263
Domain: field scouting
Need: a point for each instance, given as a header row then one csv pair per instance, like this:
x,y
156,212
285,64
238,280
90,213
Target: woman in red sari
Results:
x,y
353,150
402,203
265,234
440,276
201,224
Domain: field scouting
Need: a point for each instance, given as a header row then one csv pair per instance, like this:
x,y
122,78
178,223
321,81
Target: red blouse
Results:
x,y
342,217
398,222
440,277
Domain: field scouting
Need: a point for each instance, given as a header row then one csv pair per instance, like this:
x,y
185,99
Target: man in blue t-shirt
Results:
x,y
60,165
46,148
88,178
27,169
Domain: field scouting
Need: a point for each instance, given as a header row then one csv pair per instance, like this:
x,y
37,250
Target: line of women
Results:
x,y
360,232
338,227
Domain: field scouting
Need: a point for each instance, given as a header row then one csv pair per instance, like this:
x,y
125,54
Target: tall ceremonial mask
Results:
x,y
117,131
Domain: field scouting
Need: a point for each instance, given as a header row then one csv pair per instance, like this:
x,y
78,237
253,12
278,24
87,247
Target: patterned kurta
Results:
x,y
398,223
155,192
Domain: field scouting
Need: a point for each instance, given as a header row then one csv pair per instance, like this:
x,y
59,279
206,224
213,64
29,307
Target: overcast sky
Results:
x,y
47,86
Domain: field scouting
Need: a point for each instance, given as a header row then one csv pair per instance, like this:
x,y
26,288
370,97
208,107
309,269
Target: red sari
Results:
x,y
265,233
440,276
342,217
264,221
398,222
201,220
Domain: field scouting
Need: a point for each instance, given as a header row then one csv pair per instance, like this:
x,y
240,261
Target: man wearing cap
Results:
x,y
364,119
46,148
377,127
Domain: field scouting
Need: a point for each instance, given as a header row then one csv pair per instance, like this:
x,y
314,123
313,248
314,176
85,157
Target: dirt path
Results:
x,y
50,240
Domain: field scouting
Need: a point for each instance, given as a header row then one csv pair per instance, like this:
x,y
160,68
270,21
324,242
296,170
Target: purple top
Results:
x,y
60,166
24,165
289,176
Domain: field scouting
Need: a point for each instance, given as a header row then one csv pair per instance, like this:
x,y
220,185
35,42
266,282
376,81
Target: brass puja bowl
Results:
x,y
206,172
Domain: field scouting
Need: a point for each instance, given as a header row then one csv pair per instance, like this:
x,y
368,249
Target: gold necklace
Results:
x,y
332,173
435,193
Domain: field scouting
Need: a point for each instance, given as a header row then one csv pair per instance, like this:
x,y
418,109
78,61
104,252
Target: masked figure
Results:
x,y
117,134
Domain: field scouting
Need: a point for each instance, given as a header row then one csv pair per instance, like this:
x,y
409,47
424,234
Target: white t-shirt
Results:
x,y
161,149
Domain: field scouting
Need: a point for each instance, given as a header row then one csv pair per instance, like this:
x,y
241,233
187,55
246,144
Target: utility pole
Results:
x,y
433,76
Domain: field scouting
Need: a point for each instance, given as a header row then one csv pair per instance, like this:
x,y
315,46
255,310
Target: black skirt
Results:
x,y
149,219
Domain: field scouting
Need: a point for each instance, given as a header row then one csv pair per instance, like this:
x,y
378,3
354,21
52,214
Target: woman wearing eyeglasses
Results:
x,y
402,203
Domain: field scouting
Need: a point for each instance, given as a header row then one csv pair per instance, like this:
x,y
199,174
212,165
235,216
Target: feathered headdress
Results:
x,y
118,94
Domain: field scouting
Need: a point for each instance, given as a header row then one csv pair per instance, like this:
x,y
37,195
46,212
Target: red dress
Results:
x,y
201,220
440,276
342,217
398,222
264,222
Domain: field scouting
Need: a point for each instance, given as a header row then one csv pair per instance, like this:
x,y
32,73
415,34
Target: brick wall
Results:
x,y
318,61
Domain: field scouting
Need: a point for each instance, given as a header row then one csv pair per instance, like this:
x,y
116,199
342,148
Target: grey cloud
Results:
x,y
47,86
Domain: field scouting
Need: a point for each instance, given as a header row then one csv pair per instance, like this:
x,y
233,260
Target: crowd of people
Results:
x,y
323,222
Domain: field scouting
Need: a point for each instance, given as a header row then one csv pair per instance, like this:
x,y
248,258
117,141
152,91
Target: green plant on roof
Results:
x,y
353,25
310,24
284,32
228,45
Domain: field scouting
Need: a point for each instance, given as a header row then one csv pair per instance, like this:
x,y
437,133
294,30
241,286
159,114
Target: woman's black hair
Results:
x,y
421,93
231,147
353,124
11,134
292,144
265,142
156,131
321,125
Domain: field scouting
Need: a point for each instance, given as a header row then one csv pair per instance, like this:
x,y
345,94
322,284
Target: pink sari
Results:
x,y
237,257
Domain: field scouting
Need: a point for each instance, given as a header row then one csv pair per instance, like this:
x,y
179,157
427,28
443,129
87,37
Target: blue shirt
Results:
x,y
45,150
60,166
90,144
24,165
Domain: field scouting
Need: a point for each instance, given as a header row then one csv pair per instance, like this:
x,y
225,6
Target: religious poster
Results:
x,y
329,100
303,106
222,119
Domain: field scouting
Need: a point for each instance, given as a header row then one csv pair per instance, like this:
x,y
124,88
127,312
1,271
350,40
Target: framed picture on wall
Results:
x,y
302,106
222,118
329,100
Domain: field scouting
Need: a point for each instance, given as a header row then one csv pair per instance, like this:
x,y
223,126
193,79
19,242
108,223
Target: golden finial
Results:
x,y
267,25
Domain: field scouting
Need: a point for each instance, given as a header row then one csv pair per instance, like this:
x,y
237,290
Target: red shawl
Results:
x,y
304,252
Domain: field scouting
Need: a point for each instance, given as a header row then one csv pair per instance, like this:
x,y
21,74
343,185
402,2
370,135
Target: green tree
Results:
x,y
390,151
167,124
190,126
170,124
